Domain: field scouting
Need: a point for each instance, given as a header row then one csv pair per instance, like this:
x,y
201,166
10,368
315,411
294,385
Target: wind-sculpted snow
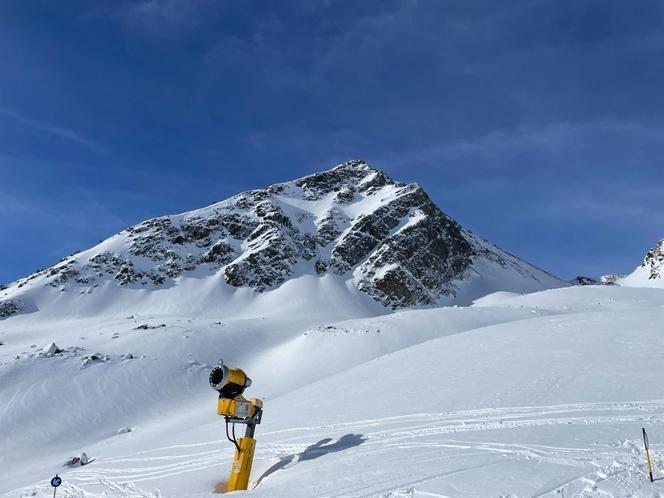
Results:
x,y
385,238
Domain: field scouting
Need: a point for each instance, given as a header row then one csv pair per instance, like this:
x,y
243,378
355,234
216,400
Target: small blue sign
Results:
x,y
56,481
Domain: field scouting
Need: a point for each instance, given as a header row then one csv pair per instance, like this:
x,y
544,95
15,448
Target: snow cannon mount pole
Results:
x,y
231,383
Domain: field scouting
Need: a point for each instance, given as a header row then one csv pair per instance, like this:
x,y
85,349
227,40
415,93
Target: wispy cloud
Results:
x,y
610,210
163,17
553,140
12,204
90,211
58,131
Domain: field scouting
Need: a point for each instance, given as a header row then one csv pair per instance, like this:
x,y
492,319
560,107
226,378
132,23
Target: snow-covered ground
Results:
x,y
543,394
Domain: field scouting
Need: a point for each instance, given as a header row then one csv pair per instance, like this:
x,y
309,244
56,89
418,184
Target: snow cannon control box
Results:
x,y
240,408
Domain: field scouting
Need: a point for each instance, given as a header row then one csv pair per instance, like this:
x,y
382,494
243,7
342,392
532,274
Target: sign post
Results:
x,y
648,460
55,482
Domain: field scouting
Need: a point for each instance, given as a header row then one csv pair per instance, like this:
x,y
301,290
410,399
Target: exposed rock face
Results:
x,y
351,221
654,260
420,252
9,308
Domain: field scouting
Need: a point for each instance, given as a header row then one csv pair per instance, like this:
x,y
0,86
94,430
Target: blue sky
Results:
x,y
537,124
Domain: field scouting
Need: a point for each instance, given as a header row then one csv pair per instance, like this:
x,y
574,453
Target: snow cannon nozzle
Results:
x,y
228,382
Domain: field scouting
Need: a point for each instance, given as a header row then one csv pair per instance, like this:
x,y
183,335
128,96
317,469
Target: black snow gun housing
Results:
x,y
230,383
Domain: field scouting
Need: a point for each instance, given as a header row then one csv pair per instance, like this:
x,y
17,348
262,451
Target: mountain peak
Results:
x,y
347,177
353,165
351,223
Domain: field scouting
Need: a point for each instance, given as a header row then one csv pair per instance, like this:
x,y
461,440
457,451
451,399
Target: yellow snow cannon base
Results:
x,y
244,457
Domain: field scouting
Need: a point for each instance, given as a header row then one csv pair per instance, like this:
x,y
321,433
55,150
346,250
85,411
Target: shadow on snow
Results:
x,y
316,450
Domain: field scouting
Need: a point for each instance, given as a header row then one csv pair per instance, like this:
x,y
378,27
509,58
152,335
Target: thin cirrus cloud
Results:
x,y
57,131
163,17
565,150
557,136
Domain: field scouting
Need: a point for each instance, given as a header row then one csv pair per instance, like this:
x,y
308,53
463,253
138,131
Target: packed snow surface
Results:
x,y
541,394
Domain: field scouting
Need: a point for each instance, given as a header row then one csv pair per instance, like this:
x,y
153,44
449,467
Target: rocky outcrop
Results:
x,y
581,280
654,260
9,308
420,253
610,279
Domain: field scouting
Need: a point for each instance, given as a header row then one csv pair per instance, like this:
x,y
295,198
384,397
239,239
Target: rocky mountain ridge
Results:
x,y
352,221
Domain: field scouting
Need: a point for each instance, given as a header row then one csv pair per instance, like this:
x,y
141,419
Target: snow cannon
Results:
x,y
230,383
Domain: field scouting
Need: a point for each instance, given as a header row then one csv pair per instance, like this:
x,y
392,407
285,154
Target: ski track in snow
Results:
x,y
411,428
126,475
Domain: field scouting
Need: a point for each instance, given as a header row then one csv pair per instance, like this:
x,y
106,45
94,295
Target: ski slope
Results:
x,y
541,394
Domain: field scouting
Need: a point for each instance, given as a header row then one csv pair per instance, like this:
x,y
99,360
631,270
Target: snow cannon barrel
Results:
x,y
229,382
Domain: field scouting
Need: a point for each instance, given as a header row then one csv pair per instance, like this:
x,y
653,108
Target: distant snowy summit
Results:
x,y
651,272
582,280
603,280
383,238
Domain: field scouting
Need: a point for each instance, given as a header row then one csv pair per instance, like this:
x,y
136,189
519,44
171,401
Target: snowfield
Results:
x,y
541,394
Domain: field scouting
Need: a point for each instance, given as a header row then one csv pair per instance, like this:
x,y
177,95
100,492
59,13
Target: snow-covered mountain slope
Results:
x,y
602,280
351,231
517,395
650,273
